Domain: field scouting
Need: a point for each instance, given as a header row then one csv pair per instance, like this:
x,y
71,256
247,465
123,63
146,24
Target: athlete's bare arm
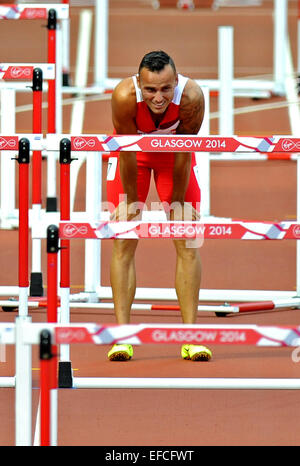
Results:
x,y
123,114
191,110
191,116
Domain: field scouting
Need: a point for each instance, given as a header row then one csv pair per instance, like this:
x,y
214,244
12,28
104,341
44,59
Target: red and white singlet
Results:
x,y
161,163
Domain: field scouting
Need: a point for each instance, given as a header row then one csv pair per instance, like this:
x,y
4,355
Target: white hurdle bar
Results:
x,y
172,143
23,334
32,11
10,73
252,305
245,87
9,145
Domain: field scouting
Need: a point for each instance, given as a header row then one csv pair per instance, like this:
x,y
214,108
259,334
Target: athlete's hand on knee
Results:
x,y
126,212
183,211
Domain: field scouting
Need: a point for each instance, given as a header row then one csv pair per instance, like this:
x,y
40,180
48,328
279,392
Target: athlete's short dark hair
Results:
x,y
156,61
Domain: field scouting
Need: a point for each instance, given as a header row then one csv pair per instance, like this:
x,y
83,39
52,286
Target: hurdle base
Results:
x,y
65,378
66,79
36,284
51,204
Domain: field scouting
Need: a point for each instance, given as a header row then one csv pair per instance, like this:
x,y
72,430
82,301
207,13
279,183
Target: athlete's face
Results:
x,y
158,88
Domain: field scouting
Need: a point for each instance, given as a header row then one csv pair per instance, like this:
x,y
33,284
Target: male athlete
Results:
x,y
156,101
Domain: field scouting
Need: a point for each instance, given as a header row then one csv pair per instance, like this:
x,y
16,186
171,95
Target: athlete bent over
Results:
x,y
157,100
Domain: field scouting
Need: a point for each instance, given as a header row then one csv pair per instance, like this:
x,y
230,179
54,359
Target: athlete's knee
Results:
x,y
183,211
185,250
124,249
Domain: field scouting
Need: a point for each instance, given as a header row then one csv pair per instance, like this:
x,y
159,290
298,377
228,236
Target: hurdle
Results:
x,y
221,229
256,145
36,73
22,144
23,334
94,143
51,73
241,87
55,14
154,333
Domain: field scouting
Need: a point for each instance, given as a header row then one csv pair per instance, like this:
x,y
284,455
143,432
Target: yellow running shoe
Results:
x,y
120,353
195,353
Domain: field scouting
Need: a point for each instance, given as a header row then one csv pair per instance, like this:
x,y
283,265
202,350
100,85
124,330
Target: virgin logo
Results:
x,y
296,231
9,144
68,335
34,13
18,72
71,230
289,145
80,143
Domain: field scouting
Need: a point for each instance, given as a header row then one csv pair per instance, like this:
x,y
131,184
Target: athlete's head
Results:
x,y
156,61
157,80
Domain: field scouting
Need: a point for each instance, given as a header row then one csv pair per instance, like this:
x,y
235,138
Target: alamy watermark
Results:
x,y
173,212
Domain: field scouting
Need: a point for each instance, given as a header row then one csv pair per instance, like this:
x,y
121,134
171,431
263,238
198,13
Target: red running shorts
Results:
x,y
162,166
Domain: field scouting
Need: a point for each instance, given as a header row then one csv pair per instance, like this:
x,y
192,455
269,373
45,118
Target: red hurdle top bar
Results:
x,y
24,71
12,142
174,143
149,143
172,333
33,11
137,230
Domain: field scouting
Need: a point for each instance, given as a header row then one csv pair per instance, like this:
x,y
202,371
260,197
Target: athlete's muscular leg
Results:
x,y
188,265
187,281
122,271
123,278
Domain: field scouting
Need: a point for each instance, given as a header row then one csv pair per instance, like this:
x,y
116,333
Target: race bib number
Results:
x,y
111,168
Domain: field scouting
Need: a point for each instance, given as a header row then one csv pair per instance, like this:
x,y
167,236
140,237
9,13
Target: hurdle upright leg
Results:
x,y
51,156
36,279
92,269
23,160
65,370
45,387
52,253
23,393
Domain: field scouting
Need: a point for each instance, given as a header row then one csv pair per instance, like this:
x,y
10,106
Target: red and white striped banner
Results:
x,y
172,143
9,142
12,142
195,334
24,71
33,11
138,334
189,230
